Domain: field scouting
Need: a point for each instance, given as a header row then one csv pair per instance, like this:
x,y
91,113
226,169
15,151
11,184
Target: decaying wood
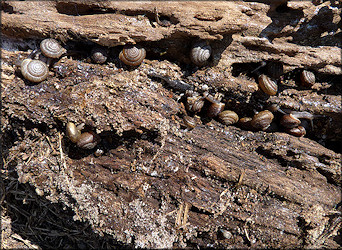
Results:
x,y
157,184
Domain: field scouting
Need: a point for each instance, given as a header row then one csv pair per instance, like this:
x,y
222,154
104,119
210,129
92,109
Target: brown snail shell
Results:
x,y
267,85
195,103
307,78
228,117
99,55
289,121
297,131
262,120
189,121
51,48
73,132
200,53
215,108
132,55
88,140
34,70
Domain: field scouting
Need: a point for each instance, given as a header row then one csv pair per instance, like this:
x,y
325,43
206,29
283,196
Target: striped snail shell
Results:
x,y
262,120
289,121
195,103
189,121
132,55
88,140
51,48
228,117
267,85
215,108
34,70
297,131
307,78
99,55
200,53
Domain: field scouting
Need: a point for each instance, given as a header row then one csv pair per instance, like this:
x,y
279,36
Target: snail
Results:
x,y
296,131
262,120
307,78
51,48
200,53
132,55
228,117
189,121
195,103
292,120
86,140
267,85
216,106
99,55
34,70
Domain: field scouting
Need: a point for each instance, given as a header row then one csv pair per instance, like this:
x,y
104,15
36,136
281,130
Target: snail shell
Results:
x,y
215,108
200,53
262,120
34,70
195,103
132,55
88,140
307,78
297,131
228,117
189,121
99,55
51,48
267,85
73,132
289,121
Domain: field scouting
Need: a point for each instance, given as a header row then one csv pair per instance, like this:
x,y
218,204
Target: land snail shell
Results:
x,y
228,117
296,131
34,70
200,53
267,85
132,55
195,103
289,121
189,121
262,120
73,132
215,109
99,55
88,140
307,78
51,48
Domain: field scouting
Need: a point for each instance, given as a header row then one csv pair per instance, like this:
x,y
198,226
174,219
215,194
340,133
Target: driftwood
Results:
x,y
151,182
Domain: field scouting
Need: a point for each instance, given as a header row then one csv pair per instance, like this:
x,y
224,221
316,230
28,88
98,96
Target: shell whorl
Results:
x,y
99,55
132,55
307,78
200,53
267,85
34,70
228,117
51,48
262,120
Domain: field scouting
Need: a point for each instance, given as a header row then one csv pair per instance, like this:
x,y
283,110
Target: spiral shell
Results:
x,y
34,70
262,120
289,121
51,48
195,103
215,109
307,78
200,53
88,140
189,121
99,55
72,132
267,85
228,117
297,131
132,55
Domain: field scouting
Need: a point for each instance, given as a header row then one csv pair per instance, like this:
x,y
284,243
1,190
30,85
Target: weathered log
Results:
x,y
151,182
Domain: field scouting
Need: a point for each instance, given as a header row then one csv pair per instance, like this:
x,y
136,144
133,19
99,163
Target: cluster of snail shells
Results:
x,y
36,70
85,140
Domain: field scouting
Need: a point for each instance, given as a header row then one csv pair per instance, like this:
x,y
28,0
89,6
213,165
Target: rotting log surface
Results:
x,y
158,184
